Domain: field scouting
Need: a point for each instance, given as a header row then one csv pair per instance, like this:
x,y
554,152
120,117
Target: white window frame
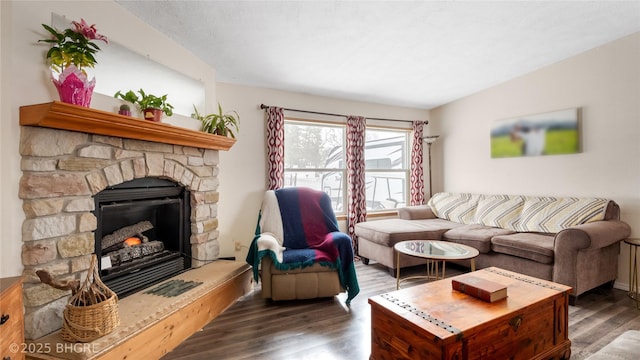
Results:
x,y
406,170
333,193
342,192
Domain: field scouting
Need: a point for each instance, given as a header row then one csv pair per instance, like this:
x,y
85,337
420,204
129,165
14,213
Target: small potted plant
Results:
x,y
150,105
220,123
124,110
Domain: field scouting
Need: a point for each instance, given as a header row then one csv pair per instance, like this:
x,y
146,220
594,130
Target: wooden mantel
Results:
x,y
63,116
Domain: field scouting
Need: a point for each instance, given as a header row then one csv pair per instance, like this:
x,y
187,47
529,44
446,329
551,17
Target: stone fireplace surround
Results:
x,y
63,170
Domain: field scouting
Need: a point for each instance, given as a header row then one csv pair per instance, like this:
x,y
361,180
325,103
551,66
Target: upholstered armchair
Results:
x,y
298,251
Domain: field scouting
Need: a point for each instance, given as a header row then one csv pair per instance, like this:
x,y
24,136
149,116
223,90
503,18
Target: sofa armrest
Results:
x,y
417,212
586,239
593,235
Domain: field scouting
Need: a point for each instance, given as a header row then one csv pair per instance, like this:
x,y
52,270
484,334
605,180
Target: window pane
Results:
x,y
386,163
330,182
313,146
385,189
386,149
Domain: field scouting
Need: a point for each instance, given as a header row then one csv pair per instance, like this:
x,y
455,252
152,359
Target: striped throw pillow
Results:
x,y
501,211
553,214
458,207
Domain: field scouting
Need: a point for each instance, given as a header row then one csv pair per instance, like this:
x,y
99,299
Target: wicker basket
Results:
x,y
92,312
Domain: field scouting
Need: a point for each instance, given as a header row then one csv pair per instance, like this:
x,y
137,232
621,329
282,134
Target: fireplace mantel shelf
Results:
x,y
59,115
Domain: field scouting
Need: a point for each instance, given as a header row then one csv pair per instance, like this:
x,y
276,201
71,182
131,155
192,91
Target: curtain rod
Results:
x,y
263,106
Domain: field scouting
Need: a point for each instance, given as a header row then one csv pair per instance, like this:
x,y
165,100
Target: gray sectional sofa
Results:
x,y
572,241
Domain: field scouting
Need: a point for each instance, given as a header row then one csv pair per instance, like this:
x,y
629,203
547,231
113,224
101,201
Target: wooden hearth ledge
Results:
x,y
153,325
59,115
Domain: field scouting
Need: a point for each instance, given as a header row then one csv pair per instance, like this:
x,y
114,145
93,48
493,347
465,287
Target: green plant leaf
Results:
x,y
220,123
147,101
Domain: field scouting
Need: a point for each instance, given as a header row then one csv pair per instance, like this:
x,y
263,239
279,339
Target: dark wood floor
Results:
x,y
254,328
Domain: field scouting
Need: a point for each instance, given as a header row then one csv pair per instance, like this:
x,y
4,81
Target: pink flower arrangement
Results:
x,y
73,50
73,46
89,31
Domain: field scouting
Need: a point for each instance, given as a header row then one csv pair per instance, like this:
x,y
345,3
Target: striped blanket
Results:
x,y
518,212
298,228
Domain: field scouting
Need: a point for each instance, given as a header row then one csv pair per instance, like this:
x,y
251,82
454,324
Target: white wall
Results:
x,y
605,84
24,79
243,175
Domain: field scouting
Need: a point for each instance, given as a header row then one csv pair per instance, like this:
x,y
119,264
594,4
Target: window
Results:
x,y
387,168
314,157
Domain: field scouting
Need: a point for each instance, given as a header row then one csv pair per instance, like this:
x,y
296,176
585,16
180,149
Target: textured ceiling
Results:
x,y
408,53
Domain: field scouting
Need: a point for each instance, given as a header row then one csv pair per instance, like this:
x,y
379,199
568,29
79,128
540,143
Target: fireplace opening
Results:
x,y
142,234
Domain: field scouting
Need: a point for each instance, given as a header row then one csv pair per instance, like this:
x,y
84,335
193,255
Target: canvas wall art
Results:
x,y
550,133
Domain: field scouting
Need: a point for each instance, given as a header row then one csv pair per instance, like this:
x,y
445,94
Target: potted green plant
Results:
x,y
151,106
72,52
220,123
124,110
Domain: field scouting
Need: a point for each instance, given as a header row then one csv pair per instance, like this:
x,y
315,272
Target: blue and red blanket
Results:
x,y
298,228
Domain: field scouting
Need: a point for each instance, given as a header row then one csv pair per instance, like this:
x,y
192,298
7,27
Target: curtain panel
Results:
x,y
275,147
417,173
357,203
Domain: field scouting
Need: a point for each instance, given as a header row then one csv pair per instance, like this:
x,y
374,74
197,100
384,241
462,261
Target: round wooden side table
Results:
x,y
634,244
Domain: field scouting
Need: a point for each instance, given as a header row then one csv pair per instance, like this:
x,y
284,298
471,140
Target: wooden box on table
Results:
x,y
433,321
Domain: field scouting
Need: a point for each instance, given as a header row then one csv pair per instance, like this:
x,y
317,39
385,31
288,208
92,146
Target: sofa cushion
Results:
x,y
389,231
613,211
532,246
475,235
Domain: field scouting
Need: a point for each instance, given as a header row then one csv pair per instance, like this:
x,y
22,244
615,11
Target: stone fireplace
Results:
x,y
72,154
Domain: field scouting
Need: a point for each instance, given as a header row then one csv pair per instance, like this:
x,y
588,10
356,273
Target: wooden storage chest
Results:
x,y
11,319
433,321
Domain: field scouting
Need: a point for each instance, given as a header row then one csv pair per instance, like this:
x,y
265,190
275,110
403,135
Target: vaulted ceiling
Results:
x,y
408,53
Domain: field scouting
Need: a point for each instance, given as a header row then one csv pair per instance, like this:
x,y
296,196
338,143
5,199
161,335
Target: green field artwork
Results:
x,y
552,133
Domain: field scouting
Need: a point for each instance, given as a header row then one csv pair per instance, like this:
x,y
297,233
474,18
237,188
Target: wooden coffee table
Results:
x,y
435,253
433,321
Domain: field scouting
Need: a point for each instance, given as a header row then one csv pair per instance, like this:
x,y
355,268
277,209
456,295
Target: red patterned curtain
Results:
x,y
417,176
357,209
275,147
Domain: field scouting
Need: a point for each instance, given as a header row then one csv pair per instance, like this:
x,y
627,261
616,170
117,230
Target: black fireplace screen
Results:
x,y
143,233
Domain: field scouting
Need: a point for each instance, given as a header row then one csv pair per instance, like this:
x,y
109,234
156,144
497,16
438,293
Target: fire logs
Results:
x,y
129,253
120,235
